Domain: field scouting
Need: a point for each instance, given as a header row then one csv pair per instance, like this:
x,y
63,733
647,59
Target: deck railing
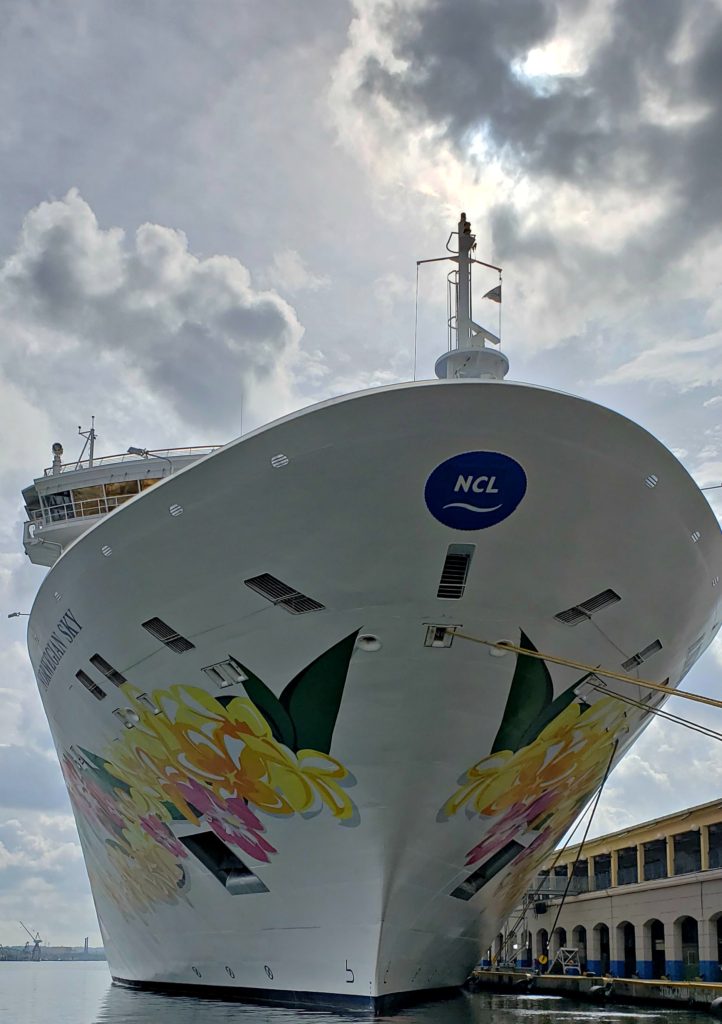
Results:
x,y
195,451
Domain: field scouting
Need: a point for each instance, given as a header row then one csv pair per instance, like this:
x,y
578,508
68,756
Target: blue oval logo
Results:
x,y
475,490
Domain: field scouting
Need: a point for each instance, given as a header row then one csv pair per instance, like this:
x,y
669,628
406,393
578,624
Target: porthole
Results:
x,y
368,642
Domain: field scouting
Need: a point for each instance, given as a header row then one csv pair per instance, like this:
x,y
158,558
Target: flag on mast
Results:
x,y
494,294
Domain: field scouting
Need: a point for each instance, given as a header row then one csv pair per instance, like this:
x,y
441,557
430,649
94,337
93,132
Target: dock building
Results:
x,y
645,901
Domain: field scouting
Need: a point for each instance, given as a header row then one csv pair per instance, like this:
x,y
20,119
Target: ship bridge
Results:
x,y
71,497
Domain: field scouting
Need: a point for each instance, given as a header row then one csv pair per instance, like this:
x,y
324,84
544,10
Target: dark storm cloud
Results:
x,y
644,114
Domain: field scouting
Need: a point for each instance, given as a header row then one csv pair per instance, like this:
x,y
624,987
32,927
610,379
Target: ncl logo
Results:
x,y
475,490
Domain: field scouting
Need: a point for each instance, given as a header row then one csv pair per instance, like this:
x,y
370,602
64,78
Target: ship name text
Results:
x,y
60,639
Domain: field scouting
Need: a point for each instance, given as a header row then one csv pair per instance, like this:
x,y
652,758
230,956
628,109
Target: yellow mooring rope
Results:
x,y
594,669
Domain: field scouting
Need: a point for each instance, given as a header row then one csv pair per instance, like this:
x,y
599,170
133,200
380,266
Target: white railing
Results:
x,y
193,451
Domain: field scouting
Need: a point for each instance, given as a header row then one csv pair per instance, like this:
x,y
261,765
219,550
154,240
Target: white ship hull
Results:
x,y
382,863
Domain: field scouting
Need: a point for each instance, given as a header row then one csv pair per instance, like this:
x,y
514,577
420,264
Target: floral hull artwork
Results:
x,y
221,762
548,758
232,764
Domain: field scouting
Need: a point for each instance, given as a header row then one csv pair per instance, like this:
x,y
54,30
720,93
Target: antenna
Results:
x,y
469,356
90,439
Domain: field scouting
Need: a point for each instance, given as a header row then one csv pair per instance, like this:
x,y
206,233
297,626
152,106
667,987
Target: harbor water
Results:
x,y
82,993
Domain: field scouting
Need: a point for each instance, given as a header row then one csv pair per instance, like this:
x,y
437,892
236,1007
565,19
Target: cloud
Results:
x,y
582,138
652,779
30,779
289,273
690,364
586,96
43,880
191,333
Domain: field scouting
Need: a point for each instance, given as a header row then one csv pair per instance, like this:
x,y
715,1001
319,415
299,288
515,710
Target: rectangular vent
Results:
x,y
108,671
167,635
496,863
299,604
231,872
279,593
455,571
88,683
642,655
693,652
585,609
694,649
179,644
226,673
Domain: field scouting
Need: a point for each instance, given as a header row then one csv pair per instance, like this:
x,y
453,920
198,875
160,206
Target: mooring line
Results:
x,y
593,669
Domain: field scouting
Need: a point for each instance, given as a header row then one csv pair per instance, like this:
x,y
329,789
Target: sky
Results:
x,y
210,215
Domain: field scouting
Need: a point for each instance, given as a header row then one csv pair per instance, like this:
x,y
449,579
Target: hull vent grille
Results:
x,y
88,683
642,655
167,635
279,593
299,604
585,609
107,670
455,571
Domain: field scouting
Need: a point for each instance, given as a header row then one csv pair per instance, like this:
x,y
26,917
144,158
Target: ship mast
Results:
x,y
468,354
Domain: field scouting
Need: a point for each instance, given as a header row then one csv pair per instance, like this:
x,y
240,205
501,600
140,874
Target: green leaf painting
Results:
x,y
313,698
272,710
305,715
532,692
531,704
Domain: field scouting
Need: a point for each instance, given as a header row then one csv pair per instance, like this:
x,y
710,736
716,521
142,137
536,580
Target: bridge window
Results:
x,y
59,506
148,482
89,501
119,491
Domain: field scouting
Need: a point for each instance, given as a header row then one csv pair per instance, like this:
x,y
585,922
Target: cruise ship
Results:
x,y
307,689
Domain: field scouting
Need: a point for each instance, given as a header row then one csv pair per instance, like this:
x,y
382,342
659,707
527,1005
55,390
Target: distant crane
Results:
x,y
35,953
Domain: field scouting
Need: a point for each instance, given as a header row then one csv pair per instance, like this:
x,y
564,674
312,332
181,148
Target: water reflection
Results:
x,y
81,993
124,1006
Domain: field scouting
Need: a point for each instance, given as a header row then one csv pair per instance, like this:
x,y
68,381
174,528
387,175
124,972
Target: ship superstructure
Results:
x,y
294,779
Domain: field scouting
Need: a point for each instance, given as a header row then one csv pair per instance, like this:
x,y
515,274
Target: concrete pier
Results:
x,y
661,992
